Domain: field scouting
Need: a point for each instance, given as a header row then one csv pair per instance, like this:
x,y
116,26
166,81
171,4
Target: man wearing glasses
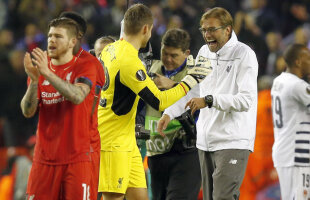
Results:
x,y
227,100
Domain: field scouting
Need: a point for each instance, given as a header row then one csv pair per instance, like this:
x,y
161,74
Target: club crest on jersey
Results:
x,y
68,77
140,75
120,182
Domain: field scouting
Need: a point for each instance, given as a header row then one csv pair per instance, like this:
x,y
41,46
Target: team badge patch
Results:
x,y
140,75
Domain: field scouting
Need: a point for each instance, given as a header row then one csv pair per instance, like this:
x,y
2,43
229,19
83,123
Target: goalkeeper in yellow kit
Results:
x,y
121,170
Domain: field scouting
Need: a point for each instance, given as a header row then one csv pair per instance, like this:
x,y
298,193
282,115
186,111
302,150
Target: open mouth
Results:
x,y
211,42
51,48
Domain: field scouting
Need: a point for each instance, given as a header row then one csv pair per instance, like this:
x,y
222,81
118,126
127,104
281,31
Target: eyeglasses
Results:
x,y
210,30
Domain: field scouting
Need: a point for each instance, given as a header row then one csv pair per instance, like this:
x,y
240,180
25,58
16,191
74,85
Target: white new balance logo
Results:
x,y
45,82
233,161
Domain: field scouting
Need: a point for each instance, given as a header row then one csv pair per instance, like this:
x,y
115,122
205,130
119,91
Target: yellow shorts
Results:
x,y
121,170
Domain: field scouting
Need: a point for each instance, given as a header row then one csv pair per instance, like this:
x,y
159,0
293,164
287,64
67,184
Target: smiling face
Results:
x,y
215,34
172,57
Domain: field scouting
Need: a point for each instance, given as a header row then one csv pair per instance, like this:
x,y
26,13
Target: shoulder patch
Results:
x,y
308,89
140,75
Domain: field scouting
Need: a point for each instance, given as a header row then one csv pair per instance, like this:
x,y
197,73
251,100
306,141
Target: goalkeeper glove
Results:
x,y
196,73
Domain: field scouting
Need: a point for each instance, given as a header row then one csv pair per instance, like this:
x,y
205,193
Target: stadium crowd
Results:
x,y
268,27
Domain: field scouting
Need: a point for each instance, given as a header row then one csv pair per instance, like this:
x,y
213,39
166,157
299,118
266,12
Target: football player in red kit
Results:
x,y
63,89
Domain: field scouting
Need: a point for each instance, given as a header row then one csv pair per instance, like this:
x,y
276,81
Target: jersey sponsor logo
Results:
x,y
140,75
45,82
53,101
56,97
50,94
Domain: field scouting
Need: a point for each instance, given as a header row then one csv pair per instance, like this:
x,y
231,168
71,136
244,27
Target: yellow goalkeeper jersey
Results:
x,y
126,82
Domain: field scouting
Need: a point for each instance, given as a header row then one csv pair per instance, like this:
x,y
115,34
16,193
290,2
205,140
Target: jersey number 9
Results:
x,y
277,112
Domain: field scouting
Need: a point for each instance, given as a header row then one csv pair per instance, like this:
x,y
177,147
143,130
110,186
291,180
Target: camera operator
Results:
x,y
173,159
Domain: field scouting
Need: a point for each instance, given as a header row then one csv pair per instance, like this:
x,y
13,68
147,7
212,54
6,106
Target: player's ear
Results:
x,y
72,42
298,62
144,29
187,52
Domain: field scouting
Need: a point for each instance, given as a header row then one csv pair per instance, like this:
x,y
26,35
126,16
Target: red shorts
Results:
x,y
50,182
95,157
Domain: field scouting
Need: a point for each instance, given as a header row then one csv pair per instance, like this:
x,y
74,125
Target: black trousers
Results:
x,y
175,176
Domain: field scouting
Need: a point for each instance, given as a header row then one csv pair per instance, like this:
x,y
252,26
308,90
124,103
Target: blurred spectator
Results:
x,y
185,12
302,35
273,40
6,44
13,182
17,128
118,11
159,28
232,6
295,15
3,14
33,38
22,167
263,17
280,65
175,21
40,12
7,176
249,33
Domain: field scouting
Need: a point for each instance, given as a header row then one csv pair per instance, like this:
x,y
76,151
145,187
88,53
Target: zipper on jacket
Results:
x,y
217,59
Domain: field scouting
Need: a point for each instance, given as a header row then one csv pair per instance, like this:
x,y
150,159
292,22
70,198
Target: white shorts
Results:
x,y
285,175
301,182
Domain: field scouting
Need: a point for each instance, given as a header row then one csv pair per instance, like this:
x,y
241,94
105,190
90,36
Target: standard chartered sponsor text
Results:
x,y
51,95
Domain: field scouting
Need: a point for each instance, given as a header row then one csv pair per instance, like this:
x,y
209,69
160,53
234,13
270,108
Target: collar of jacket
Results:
x,y
230,43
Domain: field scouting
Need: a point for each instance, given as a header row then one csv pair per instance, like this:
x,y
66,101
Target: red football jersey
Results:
x,y
100,80
63,131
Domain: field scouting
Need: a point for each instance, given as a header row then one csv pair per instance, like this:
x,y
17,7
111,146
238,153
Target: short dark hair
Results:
x,y
77,18
136,17
292,53
177,38
70,25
